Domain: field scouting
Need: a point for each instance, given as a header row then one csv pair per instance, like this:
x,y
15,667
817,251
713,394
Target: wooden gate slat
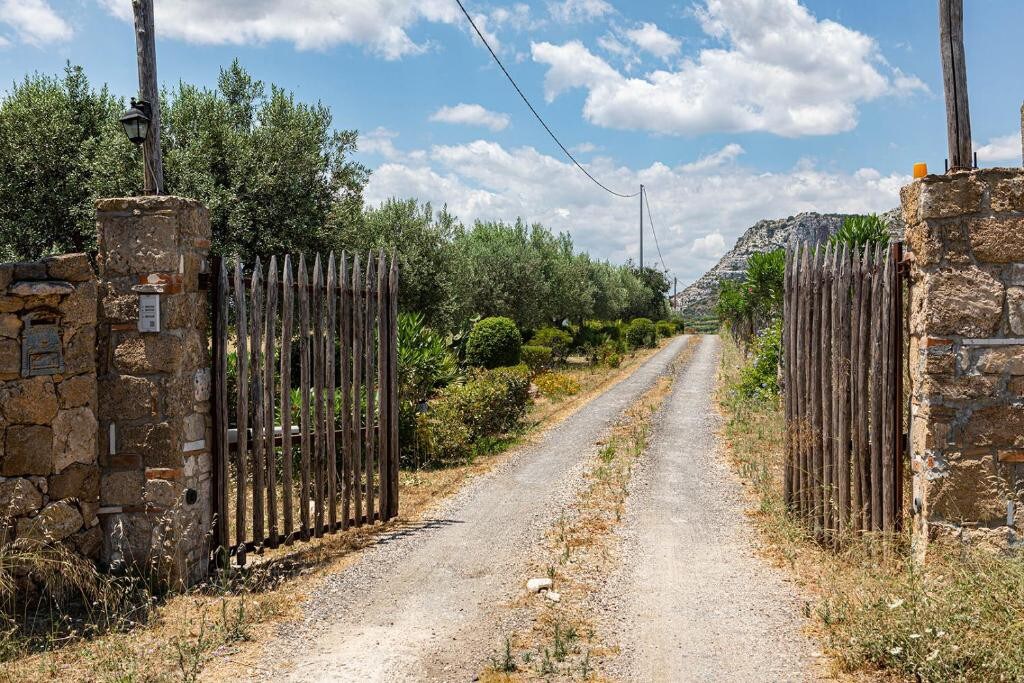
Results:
x,y
842,398
874,394
242,403
856,500
393,385
357,394
345,342
815,395
304,426
383,406
329,346
368,349
288,481
255,358
803,382
864,414
824,360
269,345
318,398
888,498
787,365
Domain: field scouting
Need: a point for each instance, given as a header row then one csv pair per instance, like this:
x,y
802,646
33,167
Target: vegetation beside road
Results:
x,y
957,618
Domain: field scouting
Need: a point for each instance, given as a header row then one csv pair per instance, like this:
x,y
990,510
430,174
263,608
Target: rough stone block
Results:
x,y
10,358
139,244
74,437
966,492
120,309
156,444
998,239
999,426
1015,310
127,398
964,301
80,351
122,488
29,401
18,498
79,307
999,360
88,542
10,325
70,267
6,275
195,427
146,354
163,494
41,288
77,391
1008,194
949,196
76,481
55,522
29,270
11,304
28,449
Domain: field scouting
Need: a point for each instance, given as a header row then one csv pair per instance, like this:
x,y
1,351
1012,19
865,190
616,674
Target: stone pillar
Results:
x,y
966,234
154,385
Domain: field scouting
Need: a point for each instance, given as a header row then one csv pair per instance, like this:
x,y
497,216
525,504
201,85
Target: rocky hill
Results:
x,y
699,298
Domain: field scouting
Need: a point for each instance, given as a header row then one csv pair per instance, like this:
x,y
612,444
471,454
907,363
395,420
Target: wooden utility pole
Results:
x,y
954,79
145,47
641,228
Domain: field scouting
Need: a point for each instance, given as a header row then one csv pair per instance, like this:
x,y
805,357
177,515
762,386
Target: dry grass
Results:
x,y
120,630
958,618
563,642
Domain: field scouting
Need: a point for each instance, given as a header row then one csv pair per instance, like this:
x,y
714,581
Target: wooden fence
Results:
x,y
298,464
843,379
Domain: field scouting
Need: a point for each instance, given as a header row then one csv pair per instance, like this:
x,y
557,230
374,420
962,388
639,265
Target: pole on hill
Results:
x,y
954,80
675,290
145,47
641,227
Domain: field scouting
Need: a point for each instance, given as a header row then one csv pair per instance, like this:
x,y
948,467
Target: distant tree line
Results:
x,y
277,177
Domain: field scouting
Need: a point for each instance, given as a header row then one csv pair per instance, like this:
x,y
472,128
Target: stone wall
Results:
x,y
49,477
966,234
155,385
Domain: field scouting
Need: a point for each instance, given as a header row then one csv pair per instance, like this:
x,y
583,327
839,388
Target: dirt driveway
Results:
x,y
421,604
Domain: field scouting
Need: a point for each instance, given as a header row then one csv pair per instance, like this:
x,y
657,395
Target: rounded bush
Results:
x,y
537,358
494,343
665,328
557,340
641,332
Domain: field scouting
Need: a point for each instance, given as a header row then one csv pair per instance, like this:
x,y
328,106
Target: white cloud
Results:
x,y
472,115
782,71
1003,148
34,22
585,148
569,11
691,203
710,246
723,156
380,25
652,39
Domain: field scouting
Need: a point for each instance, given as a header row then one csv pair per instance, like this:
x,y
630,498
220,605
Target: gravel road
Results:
x,y
691,601
422,604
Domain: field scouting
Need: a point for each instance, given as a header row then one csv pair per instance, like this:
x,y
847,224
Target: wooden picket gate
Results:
x,y
843,376
289,466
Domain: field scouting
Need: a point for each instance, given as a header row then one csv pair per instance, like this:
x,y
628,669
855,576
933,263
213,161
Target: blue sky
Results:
x,y
728,110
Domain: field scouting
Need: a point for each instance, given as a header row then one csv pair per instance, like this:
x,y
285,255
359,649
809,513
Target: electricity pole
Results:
x,y
954,80
145,47
675,290
641,227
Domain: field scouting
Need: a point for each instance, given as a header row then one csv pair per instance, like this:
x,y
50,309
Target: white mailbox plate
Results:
x,y
149,312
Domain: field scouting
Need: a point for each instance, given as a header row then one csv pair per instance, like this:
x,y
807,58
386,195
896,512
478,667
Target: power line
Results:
x,y
651,221
550,132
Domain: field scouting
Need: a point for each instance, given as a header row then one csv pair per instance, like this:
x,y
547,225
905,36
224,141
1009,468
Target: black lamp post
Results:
x,y
135,121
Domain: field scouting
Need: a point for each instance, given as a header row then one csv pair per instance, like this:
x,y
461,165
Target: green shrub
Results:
x,y
860,231
425,362
760,378
441,437
612,360
494,343
608,353
641,332
491,402
537,358
665,328
557,340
